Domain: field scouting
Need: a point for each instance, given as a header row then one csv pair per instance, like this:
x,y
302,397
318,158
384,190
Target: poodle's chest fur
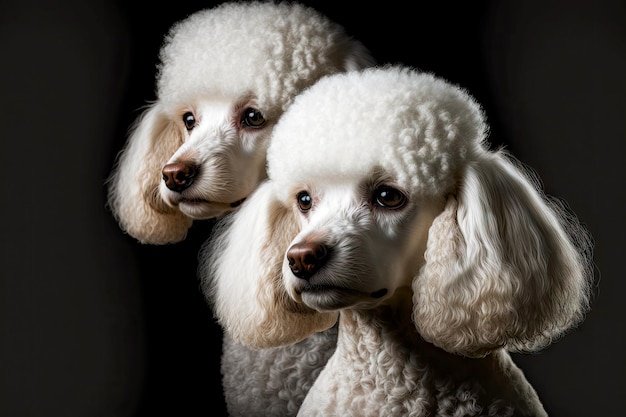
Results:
x,y
382,367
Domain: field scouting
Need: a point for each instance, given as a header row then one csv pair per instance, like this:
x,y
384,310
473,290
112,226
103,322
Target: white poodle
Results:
x,y
226,75
385,205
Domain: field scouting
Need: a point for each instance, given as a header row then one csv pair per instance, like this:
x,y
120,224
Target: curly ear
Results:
x,y
241,273
133,194
505,267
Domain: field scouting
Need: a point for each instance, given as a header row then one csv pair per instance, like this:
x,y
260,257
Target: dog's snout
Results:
x,y
179,175
306,258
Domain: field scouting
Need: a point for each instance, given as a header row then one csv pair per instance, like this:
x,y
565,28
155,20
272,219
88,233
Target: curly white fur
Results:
x,y
274,381
217,68
384,204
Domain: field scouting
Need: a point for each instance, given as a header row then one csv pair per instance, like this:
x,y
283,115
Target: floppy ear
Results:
x,y
505,267
241,273
133,187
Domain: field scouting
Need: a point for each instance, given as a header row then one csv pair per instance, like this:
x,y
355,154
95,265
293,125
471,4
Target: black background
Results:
x,y
94,324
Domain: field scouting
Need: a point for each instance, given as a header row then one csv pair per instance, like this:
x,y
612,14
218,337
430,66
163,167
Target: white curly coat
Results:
x,y
226,75
385,205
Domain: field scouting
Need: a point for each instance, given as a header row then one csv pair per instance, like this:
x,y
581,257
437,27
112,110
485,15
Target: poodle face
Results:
x,y
361,238
221,159
380,180
351,186
225,76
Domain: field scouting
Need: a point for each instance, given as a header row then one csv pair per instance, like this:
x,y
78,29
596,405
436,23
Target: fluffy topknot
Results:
x,y
271,49
421,125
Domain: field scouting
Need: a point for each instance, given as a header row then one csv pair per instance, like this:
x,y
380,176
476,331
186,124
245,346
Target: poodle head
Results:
x,y
365,183
225,76
382,180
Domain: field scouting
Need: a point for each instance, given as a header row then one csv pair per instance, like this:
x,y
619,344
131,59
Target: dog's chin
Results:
x,y
327,298
202,209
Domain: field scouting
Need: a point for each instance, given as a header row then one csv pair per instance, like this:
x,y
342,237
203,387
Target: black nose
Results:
x,y
179,175
306,258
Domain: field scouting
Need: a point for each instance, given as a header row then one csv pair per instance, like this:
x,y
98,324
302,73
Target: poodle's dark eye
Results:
x,y
252,118
189,120
388,197
304,201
